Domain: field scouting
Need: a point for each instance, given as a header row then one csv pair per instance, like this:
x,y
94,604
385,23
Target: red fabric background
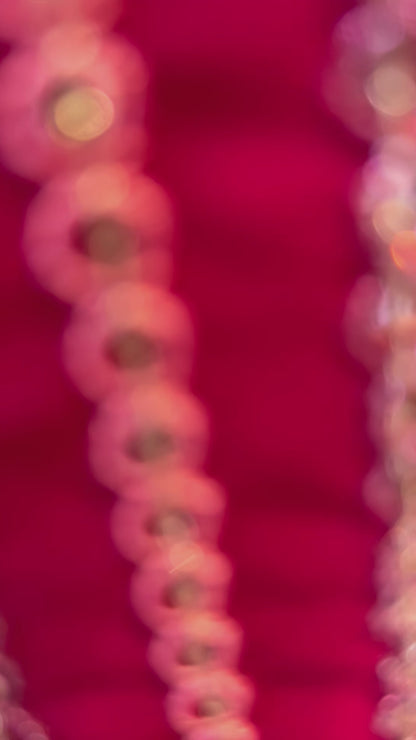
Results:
x,y
266,253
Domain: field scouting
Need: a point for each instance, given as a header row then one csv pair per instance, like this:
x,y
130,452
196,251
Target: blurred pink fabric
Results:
x,y
266,252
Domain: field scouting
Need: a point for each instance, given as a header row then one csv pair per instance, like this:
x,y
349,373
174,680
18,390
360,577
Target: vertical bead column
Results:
x,y
97,235
375,92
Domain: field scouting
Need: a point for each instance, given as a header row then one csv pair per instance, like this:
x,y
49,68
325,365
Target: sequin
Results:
x,y
392,90
87,231
200,641
232,729
69,100
26,19
403,251
165,508
391,217
207,698
155,428
185,580
129,333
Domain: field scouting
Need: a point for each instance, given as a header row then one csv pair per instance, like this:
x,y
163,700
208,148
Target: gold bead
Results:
x,y
81,113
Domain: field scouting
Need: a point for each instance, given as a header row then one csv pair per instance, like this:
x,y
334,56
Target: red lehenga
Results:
x,y
265,255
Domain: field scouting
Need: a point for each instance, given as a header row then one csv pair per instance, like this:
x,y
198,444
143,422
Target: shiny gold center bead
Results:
x,y
81,113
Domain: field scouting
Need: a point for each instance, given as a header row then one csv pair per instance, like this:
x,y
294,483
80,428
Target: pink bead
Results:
x,y
366,337
400,618
387,571
91,229
400,431
397,716
398,673
129,333
406,12
11,682
389,172
187,579
167,507
19,725
208,699
370,29
25,19
200,642
152,429
233,729
387,720
389,671
181,486
382,496
37,84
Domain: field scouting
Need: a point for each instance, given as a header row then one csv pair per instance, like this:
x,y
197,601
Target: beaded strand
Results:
x,y
373,87
97,235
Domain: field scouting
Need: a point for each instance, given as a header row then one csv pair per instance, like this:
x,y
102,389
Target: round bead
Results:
x,y
70,99
232,729
11,683
366,337
80,113
403,252
165,508
405,11
136,531
19,725
387,721
152,429
208,699
392,216
200,641
94,228
381,495
391,89
26,19
129,333
400,433
187,579
386,197
370,29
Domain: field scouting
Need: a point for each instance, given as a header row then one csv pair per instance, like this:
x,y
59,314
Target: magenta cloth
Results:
x,y
266,252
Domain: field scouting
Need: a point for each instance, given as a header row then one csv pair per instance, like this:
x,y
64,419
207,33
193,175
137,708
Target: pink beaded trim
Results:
x,y
97,235
374,88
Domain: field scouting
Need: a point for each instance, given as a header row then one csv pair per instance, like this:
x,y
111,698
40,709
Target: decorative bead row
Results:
x,y
97,235
374,88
